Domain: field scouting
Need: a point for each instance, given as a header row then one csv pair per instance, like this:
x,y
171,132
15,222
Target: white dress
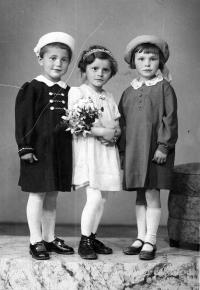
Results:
x,y
95,164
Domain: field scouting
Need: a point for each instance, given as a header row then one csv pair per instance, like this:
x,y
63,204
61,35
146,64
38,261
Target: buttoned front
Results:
x,y
148,120
39,130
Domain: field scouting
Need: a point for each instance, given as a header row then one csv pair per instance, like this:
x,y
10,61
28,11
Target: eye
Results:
x,y
65,60
154,58
53,58
141,58
95,68
106,70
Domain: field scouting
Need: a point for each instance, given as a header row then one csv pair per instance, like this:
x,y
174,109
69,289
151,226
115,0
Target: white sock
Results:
x,y
90,210
153,219
34,216
99,212
49,216
140,211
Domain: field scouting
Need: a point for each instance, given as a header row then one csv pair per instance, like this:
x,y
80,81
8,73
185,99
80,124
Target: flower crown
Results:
x,y
98,50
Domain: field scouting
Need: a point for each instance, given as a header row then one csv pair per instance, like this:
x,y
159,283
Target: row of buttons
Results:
x,y
140,100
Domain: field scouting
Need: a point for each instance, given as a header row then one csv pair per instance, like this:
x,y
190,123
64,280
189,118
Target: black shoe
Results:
x,y
133,250
98,246
85,249
148,255
58,246
38,251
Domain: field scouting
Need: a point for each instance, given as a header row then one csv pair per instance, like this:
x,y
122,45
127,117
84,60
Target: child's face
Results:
x,y
55,63
146,65
98,73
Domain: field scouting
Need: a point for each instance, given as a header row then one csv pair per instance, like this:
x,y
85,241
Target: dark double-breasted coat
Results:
x,y
148,121
39,107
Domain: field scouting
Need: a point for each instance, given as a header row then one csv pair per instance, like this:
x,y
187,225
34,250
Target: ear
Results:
x,y
40,61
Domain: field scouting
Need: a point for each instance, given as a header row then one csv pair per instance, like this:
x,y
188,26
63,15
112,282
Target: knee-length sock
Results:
x,y
99,212
153,219
140,211
49,216
93,202
34,216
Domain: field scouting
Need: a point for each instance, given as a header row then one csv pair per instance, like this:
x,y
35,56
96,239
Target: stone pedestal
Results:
x,y
184,205
172,269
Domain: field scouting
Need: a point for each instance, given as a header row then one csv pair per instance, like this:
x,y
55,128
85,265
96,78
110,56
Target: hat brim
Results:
x,y
146,39
53,37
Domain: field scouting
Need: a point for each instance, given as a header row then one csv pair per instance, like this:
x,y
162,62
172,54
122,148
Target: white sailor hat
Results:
x,y
53,37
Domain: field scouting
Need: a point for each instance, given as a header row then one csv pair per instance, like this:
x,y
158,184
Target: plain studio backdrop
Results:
x,y
23,22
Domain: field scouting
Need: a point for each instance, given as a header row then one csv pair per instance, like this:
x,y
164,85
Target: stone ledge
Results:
x,y
173,268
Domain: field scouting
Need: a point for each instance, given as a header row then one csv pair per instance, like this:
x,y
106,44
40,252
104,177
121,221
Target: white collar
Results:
x,y
136,84
49,83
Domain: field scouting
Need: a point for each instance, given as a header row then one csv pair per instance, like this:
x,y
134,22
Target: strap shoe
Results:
x,y
133,250
148,255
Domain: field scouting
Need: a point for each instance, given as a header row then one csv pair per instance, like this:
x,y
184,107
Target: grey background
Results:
x,y
23,22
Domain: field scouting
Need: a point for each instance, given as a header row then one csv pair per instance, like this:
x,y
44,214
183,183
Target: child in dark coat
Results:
x,y
45,152
149,127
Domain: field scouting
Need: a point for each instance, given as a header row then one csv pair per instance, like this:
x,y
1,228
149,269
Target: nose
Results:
x,y
100,72
147,62
58,62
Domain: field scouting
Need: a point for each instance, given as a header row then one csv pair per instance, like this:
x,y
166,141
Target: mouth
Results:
x,y
147,70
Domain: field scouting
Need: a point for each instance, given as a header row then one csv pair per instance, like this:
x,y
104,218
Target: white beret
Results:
x,y
55,37
146,39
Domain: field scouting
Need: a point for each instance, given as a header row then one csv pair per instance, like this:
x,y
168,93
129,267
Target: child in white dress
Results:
x,y
96,160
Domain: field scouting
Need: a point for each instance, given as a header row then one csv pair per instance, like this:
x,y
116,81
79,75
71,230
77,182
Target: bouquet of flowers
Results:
x,y
80,119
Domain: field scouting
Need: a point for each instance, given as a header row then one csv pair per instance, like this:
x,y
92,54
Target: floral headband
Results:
x,y
98,50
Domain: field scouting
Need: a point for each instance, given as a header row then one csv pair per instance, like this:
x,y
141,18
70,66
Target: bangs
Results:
x,y
147,48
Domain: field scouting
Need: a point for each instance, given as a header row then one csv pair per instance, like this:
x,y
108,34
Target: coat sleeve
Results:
x,y
168,131
24,119
122,122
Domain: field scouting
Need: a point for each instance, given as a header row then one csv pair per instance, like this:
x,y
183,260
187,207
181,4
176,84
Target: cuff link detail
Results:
x,y
25,149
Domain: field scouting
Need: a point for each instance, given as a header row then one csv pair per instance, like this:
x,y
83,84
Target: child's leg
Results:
x,y
52,243
98,246
93,203
153,217
49,216
140,210
34,216
100,211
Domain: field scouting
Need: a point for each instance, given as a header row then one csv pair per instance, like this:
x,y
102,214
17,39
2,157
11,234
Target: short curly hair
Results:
x,y
86,60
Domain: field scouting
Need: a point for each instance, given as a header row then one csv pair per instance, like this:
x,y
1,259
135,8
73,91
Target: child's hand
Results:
x,y
159,157
108,134
29,157
103,141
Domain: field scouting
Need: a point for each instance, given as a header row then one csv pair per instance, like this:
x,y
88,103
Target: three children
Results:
x,y
148,123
